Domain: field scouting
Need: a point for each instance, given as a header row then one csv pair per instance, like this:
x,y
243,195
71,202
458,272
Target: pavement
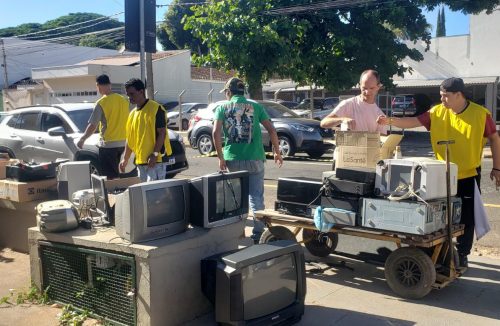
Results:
x,y
340,291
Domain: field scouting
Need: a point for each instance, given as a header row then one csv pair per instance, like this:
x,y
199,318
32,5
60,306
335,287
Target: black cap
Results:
x,y
103,80
452,85
234,85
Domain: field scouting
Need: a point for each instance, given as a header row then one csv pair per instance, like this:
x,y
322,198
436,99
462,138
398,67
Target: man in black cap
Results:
x,y
239,119
468,124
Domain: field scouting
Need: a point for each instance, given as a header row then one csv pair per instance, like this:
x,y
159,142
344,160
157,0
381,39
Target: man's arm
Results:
x,y
126,157
495,153
333,120
408,122
217,137
88,132
274,140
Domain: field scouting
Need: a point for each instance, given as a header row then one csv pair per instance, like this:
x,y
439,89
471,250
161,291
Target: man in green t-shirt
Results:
x,y
239,119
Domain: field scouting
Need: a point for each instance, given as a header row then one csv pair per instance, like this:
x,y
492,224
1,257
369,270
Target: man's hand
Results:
x,y
278,159
122,165
152,160
383,120
351,123
495,177
80,143
222,164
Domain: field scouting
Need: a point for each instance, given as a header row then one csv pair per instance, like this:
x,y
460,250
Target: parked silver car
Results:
x,y
47,132
322,107
296,134
188,109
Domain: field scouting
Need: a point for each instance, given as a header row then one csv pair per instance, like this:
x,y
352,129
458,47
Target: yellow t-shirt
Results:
x,y
466,129
141,132
115,109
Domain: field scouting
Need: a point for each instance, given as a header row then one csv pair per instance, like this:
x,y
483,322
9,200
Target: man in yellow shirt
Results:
x,y
110,115
468,124
147,134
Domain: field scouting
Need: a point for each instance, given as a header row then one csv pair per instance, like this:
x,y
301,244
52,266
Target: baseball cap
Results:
x,y
234,84
453,85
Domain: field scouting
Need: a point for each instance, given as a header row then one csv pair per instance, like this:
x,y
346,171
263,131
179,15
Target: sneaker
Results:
x,y
463,261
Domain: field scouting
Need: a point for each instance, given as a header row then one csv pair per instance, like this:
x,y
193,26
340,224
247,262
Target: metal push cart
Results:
x,y
420,263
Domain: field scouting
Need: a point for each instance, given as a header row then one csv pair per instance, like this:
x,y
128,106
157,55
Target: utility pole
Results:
x,y
142,43
150,86
4,65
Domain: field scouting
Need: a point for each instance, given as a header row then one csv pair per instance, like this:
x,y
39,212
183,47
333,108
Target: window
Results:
x,y
28,121
14,120
52,120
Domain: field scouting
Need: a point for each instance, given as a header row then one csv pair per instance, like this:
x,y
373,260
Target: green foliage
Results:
x,y
328,47
33,295
99,23
72,317
172,34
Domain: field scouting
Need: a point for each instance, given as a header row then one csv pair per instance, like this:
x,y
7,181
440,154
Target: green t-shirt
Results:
x,y
241,128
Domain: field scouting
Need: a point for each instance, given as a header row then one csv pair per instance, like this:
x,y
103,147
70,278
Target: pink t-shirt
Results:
x,y
364,114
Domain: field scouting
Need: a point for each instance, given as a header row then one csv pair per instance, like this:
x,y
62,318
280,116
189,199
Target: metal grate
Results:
x,y
98,281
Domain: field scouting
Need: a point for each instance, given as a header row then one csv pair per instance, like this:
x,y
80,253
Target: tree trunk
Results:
x,y
254,86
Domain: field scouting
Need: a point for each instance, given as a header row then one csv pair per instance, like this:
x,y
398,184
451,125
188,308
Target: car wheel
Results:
x,y
95,167
205,144
315,154
185,124
287,148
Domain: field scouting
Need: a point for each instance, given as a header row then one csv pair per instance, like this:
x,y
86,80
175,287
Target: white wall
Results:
x,y
485,44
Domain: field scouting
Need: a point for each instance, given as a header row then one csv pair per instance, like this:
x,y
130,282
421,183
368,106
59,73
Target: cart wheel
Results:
x,y
410,272
318,243
275,233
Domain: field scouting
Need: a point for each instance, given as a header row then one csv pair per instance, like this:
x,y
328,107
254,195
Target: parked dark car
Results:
x,y
296,134
403,105
47,132
170,105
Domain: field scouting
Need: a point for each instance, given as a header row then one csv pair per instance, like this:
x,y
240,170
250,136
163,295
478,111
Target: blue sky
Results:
x,y
15,12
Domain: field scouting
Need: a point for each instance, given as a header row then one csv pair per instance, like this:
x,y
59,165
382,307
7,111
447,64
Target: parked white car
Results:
x,y
188,109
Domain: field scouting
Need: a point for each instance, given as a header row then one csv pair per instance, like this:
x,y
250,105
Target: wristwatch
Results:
x,y
156,154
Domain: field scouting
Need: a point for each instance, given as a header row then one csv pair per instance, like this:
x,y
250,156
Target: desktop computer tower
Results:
x,y
73,176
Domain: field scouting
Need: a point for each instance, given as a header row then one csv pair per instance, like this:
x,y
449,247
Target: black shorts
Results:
x,y
109,159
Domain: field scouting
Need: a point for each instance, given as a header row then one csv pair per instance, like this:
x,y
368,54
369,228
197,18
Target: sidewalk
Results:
x,y
354,294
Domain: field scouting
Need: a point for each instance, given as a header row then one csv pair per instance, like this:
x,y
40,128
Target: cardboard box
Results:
x,y
365,156
357,138
3,164
28,191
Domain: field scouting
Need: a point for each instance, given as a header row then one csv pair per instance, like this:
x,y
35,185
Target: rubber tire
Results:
x,y
185,124
285,141
419,269
275,233
315,154
317,247
203,142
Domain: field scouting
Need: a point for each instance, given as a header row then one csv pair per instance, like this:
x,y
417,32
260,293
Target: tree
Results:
x,y
439,28
52,29
172,32
443,22
327,45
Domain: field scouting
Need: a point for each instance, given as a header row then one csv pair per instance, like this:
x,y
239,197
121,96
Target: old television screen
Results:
x,y
153,210
261,284
224,198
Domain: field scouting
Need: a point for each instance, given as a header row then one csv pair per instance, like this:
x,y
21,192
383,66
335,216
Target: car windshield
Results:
x,y
80,118
276,110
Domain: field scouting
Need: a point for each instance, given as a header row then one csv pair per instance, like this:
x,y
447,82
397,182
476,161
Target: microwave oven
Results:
x,y
424,176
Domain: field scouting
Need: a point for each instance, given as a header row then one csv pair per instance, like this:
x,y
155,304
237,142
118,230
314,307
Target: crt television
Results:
x,y
262,284
218,199
152,210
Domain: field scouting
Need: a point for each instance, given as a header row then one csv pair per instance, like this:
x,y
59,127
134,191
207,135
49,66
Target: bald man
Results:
x,y
359,112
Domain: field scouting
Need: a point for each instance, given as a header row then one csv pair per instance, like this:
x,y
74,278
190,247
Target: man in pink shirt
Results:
x,y
359,112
